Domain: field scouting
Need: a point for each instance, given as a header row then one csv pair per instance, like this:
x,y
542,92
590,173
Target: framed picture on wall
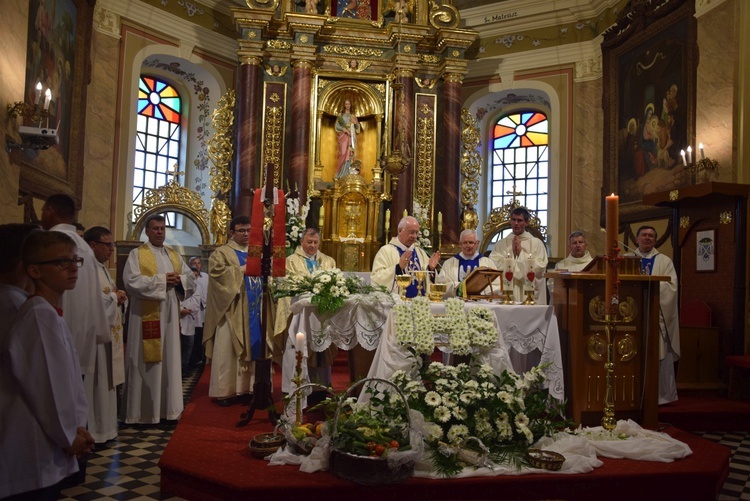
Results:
x,y
649,58
705,244
58,58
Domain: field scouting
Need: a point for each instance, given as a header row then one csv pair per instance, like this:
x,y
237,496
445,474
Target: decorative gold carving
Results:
x,y
596,348
352,64
628,309
684,221
674,195
220,153
425,158
352,51
251,35
275,70
455,53
273,131
627,348
429,58
471,168
278,44
250,60
407,48
304,38
597,309
380,88
725,217
263,4
443,16
275,97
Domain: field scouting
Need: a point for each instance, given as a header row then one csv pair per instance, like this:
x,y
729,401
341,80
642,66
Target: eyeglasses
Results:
x,y
63,263
108,244
242,230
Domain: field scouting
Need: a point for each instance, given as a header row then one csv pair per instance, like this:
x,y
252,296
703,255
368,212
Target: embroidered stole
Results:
x,y
414,264
466,266
150,309
255,249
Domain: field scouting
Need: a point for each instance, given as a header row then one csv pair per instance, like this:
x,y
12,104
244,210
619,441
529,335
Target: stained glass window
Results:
x,y
520,162
157,143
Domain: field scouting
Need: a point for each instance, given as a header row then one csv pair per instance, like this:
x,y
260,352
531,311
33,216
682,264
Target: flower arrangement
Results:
x,y
421,214
415,326
472,414
329,288
295,222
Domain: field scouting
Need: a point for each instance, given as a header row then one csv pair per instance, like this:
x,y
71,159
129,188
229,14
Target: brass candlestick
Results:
x,y
608,420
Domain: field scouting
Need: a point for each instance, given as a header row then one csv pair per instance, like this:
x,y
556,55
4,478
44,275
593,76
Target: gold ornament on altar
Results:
x,y
220,152
471,168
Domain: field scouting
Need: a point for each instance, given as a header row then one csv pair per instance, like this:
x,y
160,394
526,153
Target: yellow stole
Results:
x,y
150,321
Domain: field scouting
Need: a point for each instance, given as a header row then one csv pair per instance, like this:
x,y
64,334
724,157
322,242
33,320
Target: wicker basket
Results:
x,y
547,460
297,447
265,444
367,470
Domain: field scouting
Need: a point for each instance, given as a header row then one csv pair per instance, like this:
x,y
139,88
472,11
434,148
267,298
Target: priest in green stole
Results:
x,y
231,331
156,279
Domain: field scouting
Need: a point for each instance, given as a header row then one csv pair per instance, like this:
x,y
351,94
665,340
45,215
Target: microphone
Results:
x,y
628,248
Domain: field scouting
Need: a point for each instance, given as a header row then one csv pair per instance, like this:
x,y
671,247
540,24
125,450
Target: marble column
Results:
x,y
402,195
300,139
248,100
448,167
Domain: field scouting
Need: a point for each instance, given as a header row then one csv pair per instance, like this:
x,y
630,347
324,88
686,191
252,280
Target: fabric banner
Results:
x,y
278,242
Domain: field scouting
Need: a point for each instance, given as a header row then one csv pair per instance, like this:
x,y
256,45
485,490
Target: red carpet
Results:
x,y
207,458
706,411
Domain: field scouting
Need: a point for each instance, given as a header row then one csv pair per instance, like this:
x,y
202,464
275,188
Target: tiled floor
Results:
x,y
126,468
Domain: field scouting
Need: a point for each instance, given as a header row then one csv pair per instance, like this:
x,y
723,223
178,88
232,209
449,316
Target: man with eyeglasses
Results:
x,y
109,369
83,308
456,268
156,279
231,331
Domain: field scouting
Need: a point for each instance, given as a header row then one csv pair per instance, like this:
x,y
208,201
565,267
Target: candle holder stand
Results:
x,y
608,419
703,170
529,298
298,381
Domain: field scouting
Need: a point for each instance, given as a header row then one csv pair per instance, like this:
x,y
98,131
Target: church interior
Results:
x,y
456,112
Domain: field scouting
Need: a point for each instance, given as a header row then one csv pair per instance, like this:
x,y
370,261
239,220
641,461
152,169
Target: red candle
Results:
x,y
611,251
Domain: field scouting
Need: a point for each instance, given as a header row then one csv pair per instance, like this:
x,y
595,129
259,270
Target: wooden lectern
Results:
x,y
578,299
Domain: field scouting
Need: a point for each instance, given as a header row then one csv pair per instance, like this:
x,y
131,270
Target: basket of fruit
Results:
x,y
302,433
370,442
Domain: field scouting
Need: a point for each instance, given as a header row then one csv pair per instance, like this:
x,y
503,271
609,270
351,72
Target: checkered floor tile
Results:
x,y
126,468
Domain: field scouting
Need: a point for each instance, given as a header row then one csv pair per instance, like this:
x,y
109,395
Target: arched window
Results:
x,y
520,161
158,132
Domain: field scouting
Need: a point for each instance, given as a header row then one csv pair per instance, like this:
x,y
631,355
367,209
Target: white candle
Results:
x,y
690,154
682,154
300,344
406,212
440,222
700,147
47,99
38,94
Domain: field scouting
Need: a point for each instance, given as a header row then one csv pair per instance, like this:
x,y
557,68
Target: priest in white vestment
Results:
x,y
110,358
156,279
520,251
83,306
456,268
401,256
231,331
307,258
577,259
655,263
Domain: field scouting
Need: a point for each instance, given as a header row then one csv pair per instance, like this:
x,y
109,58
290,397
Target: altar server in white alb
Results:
x,y
43,407
655,263
456,268
83,306
577,259
110,358
156,279
520,250
401,256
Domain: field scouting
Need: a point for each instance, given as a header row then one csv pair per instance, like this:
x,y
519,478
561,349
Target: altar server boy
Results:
x,y
43,406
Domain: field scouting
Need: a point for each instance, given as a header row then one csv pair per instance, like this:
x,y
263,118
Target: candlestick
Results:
x,y
47,99
611,251
38,94
700,147
300,341
406,212
690,154
322,216
682,154
440,222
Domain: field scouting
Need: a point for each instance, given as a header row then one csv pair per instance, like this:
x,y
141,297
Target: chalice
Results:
x,y
437,291
403,282
508,286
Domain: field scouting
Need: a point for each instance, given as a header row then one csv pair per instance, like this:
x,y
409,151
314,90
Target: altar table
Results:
x,y
529,336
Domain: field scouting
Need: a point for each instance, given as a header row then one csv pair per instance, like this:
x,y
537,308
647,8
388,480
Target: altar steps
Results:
x,y
703,410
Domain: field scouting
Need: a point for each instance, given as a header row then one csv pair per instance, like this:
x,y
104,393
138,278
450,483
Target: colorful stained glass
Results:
x,y
521,129
158,99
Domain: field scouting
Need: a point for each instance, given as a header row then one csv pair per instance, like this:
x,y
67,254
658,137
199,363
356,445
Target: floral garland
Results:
x,y
422,216
415,326
295,223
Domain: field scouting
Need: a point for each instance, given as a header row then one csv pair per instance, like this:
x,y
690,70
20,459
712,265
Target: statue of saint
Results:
x,y
347,127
